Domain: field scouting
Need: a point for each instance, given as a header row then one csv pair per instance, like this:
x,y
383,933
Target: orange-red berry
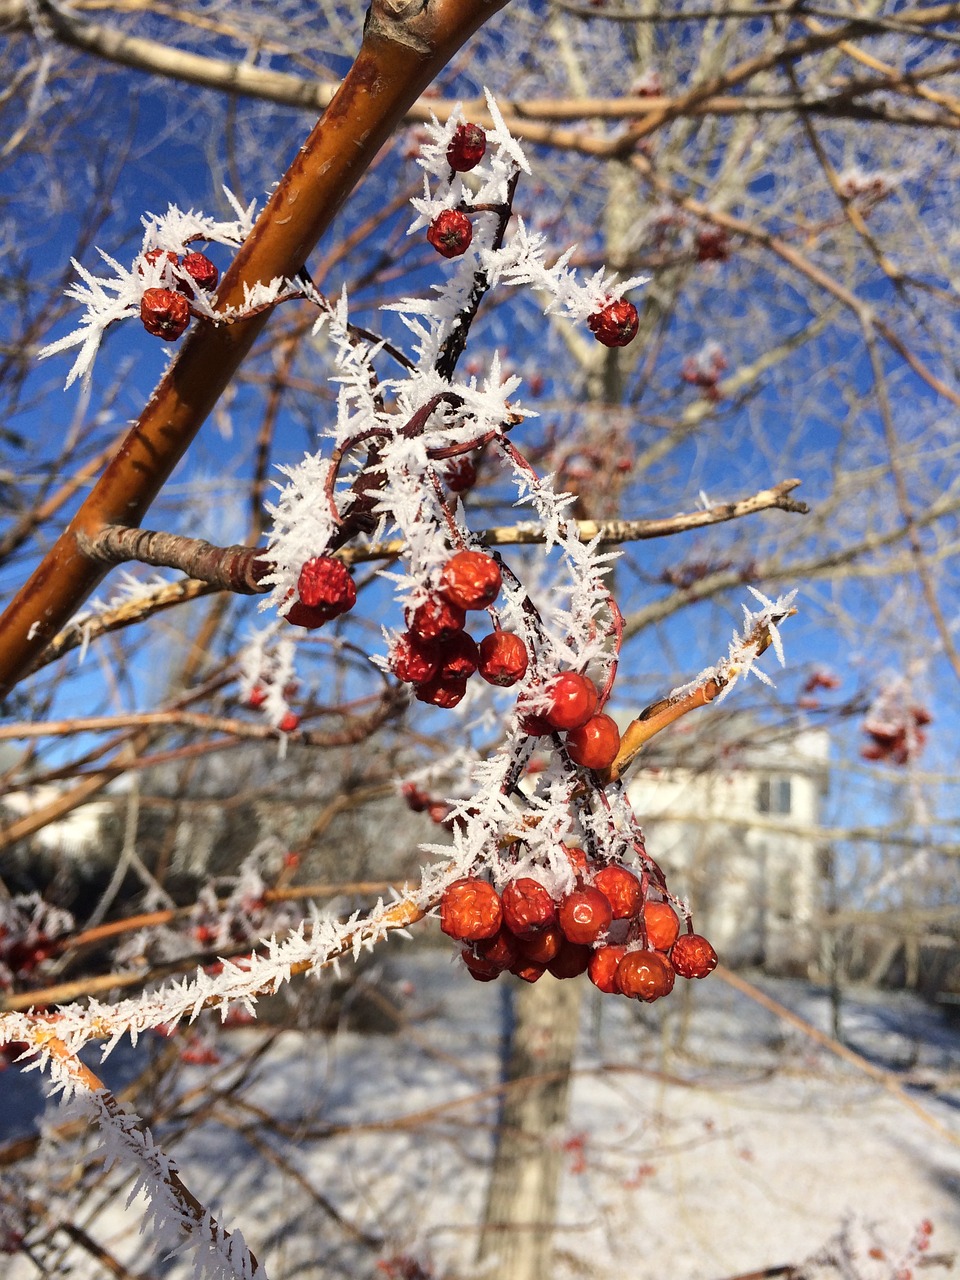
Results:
x,y
571,960
471,580
527,907
289,723
603,968
164,313
466,148
481,969
450,233
543,946
200,269
584,915
413,661
623,890
645,975
571,700
661,923
595,744
325,583
502,949
441,693
436,620
693,957
528,971
458,657
615,324
470,910
503,658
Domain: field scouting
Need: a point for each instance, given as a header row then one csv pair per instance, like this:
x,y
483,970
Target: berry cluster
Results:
x,y
607,926
437,655
165,312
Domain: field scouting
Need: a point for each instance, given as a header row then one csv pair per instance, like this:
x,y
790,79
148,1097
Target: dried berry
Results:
x,y
615,324
645,975
595,744
503,658
441,693
303,615
661,923
458,657
450,233
165,313
622,888
436,620
480,969
471,580
470,910
528,908
693,956
584,915
155,255
466,148
325,583
571,960
603,968
528,971
502,949
413,661
200,270
534,725
460,474
571,700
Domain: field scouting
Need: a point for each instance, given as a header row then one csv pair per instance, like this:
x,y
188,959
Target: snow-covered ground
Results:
x,y
706,1138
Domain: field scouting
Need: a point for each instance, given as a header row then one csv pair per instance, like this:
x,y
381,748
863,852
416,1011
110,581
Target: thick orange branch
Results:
x,y
405,44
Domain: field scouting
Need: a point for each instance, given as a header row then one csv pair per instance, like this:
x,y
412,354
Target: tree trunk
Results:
x,y
521,1201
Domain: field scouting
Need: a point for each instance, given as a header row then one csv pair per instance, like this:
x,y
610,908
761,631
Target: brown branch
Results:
x,y
402,51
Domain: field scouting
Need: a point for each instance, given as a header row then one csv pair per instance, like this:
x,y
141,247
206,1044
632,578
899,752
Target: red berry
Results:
x,y
438,812
543,946
615,324
570,961
417,800
165,313
603,968
441,693
528,971
595,744
466,147
480,969
693,956
503,658
577,859
201,270
502,949
460,474
325,583
622,888
450,233
661,923
535,726
413,661
926,1227
256,697
471,580
154,255
458,657
436,620
470,909
645,975
527,907
572,700
302,615
289,723
585,914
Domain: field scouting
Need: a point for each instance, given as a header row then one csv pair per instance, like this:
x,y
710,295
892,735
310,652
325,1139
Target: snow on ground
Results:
x,y
706,1138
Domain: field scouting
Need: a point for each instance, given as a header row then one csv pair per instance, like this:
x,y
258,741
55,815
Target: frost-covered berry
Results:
x,y
470,910
595,744
645,975
503,658
154,255
615,324
466,147
571,700
450,233
436,620
471,580
528,908
256,697
584,915
603,968
661,923
164,313
413,661
200,270
692,956
441,693
460,474
325,583
622,888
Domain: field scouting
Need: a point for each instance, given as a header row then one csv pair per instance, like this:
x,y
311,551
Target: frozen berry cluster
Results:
x,y
165,312
608,926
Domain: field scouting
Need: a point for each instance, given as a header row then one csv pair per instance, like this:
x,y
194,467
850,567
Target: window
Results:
x,y
773,795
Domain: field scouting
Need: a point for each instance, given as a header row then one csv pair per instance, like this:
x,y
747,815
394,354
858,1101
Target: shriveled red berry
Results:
x,y
256,697
503,658
661,923
480,969
623,890
303,615
458,657
441,693
155,255
325,583
692,956
470,910
436,619
534,725
413,661
527,907
577,859
528,971
615,324
645,975
200,269
417,799
450,233
571,700
571,960
595,744
460,474
471,579
289,723
164,313
543,946
603,968
466,148
584,915
502,949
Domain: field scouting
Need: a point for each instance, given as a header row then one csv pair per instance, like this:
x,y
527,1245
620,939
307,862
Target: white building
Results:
x,y
734,823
